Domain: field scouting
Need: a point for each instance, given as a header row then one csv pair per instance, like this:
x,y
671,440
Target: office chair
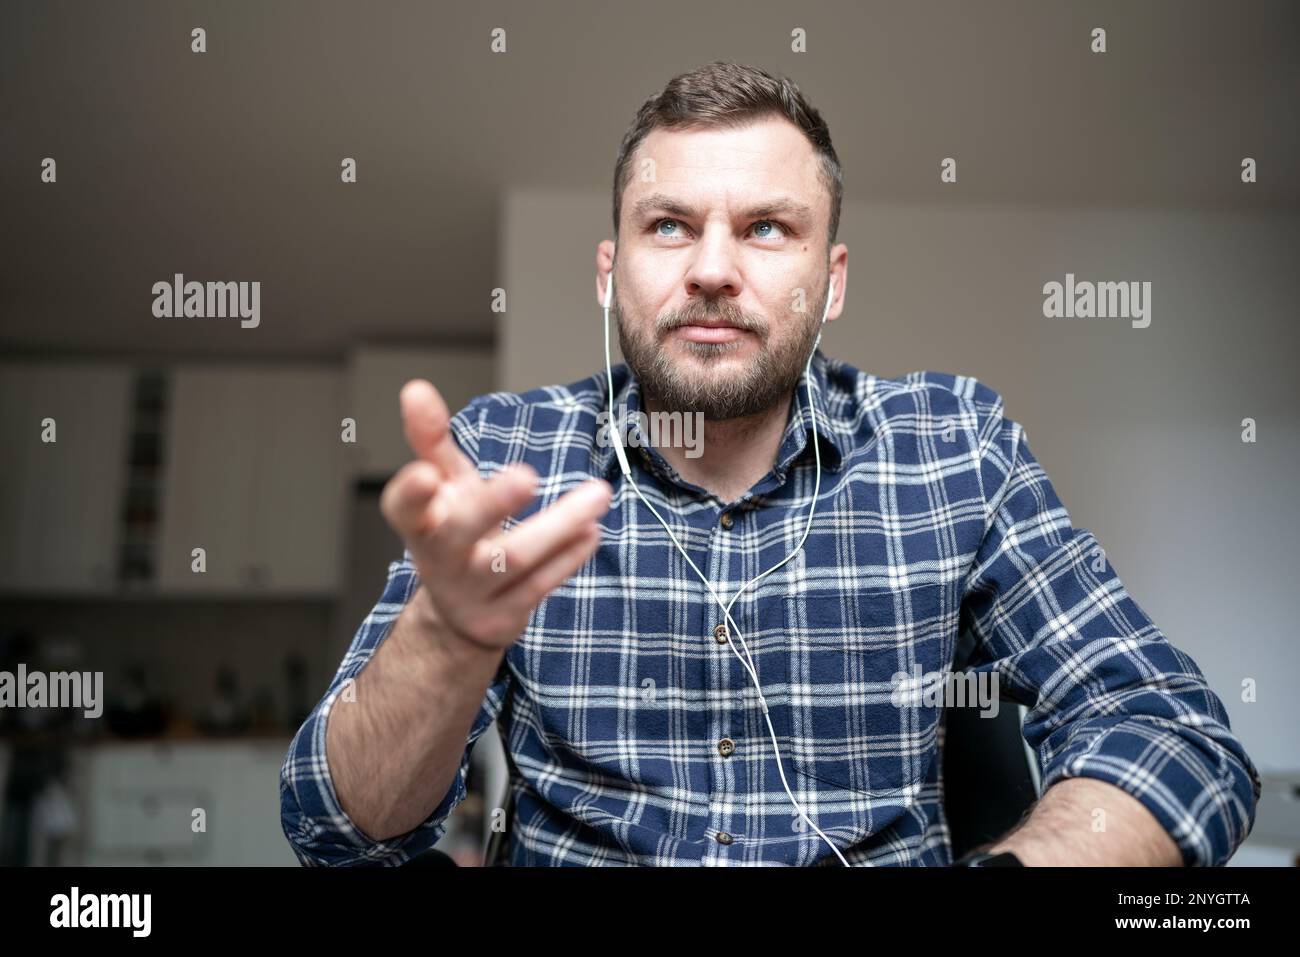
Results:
x,y
990,777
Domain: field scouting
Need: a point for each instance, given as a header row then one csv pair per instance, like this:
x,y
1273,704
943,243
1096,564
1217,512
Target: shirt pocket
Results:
x,y
847,710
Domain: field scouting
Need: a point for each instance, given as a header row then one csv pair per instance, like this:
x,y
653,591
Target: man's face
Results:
x,y
722,266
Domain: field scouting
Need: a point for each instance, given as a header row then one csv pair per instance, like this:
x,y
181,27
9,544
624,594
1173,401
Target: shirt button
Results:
x,y
720,634
726,520
724,837
726,747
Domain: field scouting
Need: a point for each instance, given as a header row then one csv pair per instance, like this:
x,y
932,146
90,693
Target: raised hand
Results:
x,y
480,583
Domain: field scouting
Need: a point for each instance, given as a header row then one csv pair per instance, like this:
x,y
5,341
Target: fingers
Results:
x,y
441,520
469,508
405,500
536,540
526,594
428,430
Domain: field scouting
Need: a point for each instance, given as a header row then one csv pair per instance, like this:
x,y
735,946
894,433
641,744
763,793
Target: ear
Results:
x,y
604,268
839,276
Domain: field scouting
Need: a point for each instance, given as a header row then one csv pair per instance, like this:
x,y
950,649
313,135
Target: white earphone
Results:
x,y
746,660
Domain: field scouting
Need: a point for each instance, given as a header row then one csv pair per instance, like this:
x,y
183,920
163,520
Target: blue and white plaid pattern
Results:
x,y
933,516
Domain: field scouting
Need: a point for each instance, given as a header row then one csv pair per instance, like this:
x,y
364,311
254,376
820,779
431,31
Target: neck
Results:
x,y
733,454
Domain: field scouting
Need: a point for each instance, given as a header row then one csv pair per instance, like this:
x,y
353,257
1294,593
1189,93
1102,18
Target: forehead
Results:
x,y
737,166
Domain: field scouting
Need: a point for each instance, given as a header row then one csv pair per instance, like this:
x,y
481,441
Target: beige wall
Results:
x,y
1139,429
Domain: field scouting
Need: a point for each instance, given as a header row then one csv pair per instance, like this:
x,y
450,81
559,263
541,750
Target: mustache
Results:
x,y
719,311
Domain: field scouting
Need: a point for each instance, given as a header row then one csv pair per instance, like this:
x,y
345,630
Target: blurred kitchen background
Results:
x,y
479,171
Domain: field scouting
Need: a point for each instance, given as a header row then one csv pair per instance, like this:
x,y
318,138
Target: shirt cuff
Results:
x,y
1201,792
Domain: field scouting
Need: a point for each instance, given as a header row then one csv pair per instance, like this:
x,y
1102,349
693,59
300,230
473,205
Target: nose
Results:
x,y
713,271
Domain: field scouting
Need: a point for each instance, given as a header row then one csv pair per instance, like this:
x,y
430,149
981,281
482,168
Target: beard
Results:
x,y
681,386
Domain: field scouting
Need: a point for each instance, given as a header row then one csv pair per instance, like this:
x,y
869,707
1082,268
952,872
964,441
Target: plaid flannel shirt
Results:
x,y
617,703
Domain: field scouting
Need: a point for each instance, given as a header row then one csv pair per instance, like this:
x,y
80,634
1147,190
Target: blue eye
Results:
x,y
760,224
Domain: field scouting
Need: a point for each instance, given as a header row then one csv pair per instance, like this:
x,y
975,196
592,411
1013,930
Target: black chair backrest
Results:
x,y
988,782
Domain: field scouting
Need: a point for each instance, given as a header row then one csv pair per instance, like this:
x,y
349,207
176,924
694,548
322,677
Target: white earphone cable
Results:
x,y
747,659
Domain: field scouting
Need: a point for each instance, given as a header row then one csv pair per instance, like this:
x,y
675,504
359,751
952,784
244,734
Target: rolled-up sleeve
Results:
x,y
319,830
1107,695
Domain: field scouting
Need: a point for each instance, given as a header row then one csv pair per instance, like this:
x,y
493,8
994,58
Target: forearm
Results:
x,y
1088,822
395,742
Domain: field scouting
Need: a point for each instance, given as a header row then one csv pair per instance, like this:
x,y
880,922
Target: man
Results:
x,y
628,702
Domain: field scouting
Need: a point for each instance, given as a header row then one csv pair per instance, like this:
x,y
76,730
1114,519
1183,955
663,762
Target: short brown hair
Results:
x,y
726,94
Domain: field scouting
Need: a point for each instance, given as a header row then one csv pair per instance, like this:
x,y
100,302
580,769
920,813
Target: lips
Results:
x,y
709,332
712,324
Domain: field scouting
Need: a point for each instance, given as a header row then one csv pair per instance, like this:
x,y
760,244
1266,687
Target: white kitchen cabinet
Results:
x,y
60,501
138,802
212,437
254,476
376,379
300,495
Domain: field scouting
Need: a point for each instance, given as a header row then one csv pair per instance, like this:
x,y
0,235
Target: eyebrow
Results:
x,y
665,203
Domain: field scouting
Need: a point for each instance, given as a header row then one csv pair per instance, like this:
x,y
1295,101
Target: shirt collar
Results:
x,y
835,442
